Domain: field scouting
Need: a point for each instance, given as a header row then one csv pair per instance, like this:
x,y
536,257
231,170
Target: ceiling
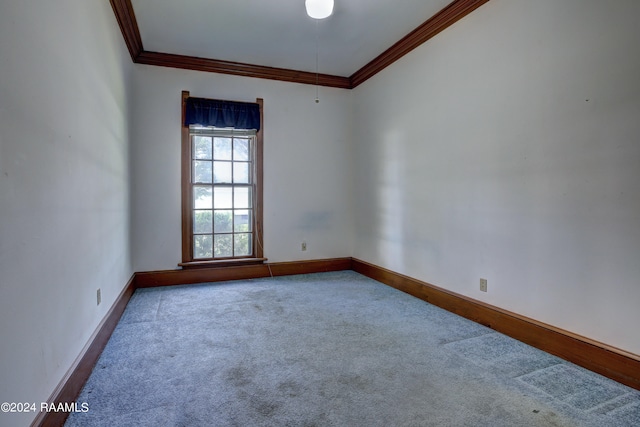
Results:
x,y
275,39
278,33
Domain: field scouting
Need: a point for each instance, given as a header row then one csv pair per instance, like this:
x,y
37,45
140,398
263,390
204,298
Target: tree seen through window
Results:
x,y
223,193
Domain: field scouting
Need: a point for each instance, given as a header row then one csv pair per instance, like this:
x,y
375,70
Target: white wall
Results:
x,y
507,148
64,198
306,164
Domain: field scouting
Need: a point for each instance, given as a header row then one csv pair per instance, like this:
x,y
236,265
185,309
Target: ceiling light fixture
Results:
x,y
319,9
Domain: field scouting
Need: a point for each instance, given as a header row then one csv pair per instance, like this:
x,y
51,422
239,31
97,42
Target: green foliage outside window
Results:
x,y
222,243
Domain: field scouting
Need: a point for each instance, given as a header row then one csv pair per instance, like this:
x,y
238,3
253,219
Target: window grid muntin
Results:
x,y
202,154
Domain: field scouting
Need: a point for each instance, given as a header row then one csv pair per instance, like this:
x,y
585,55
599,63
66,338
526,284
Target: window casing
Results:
x,y
221,194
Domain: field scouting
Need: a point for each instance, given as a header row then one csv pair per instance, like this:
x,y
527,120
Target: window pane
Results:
x,y
223,222
241,149
223,245
242,244
222,148
240,172
223,198
201,171
242,197
203,246
202,197
202,222
222,172
242,221
222,189
201,147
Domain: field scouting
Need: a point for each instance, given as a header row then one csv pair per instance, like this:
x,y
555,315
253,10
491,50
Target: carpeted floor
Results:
x,y
330,349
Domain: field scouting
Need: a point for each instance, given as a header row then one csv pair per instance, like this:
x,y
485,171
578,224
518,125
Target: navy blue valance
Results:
x,y
222,114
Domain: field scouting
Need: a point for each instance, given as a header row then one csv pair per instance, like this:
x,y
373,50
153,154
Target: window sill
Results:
x,y
222,263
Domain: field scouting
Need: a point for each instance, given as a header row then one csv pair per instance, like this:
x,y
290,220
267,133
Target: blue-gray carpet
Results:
x,y
330,349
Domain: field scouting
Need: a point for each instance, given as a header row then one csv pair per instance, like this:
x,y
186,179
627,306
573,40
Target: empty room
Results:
x,y
319,213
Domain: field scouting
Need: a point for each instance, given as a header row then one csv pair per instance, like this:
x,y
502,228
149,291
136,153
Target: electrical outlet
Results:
x,y
483,285
304,246
99,296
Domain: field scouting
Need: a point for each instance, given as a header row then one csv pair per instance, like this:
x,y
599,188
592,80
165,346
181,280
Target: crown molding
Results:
x,y
240,69
128,26
434,25
452,13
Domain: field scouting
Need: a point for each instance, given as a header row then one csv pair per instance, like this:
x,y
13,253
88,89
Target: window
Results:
x,y
221,190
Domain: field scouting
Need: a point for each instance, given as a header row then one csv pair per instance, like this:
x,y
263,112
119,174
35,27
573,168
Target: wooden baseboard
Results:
x,y
611,362
241,272
308,267
69,388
